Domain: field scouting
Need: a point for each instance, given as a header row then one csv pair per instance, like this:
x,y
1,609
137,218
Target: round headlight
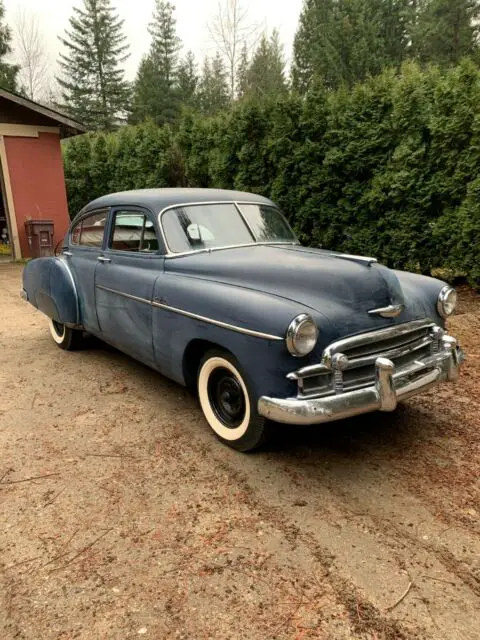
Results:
x,y
447,301
302,335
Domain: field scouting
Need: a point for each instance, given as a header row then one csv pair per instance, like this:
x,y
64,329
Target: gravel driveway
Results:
x,y
121,516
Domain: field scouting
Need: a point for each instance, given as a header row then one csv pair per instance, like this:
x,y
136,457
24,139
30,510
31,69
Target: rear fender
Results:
x,y
49,286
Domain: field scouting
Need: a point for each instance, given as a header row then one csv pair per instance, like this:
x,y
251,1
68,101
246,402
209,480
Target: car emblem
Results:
x,y
392,311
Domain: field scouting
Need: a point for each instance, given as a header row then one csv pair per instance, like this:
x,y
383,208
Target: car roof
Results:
x,y
158,199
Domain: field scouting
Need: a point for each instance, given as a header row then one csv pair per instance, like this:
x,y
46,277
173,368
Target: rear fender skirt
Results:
x,y
50,287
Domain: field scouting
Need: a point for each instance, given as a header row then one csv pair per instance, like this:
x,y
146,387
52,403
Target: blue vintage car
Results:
x,y
212,289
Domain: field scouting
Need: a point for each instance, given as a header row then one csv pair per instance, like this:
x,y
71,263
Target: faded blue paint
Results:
x,y
259,288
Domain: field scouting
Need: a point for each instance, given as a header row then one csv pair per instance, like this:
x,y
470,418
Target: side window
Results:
x,y
133,231
76,231
89,231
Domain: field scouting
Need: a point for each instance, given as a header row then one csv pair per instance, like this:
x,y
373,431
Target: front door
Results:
x,y
124,281
85,247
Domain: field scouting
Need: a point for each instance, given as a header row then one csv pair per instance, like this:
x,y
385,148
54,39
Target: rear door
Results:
x,y
86,244
124,279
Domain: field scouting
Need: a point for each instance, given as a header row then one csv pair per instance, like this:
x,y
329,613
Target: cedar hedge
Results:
x,y
390,168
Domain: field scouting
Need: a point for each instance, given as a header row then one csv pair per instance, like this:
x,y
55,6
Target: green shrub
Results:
x,y
390,168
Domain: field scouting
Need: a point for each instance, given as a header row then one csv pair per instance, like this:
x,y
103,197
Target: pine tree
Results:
x,y
214,90
265,75
93,86
447,30
343,41
155,94
312,42
242,70
187,81
8,72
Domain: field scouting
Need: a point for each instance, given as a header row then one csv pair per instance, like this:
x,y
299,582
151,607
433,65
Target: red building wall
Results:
x,y
38,184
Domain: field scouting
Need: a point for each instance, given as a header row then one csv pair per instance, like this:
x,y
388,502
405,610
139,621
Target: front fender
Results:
x,y
49,286
421,294
264,358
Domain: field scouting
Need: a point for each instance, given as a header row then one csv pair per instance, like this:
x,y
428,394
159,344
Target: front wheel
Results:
x,y
227,403
65,337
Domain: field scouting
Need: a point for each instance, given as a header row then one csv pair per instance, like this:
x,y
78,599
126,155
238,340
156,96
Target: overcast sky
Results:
x,y
192,19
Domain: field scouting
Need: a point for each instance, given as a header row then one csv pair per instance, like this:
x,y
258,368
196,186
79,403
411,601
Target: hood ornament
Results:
x,y
392,311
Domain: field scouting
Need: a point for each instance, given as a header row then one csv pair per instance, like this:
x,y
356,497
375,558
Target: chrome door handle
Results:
x,y
103,259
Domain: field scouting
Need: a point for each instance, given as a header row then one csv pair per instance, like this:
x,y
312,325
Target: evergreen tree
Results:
x,y
93,87
242,70
265,75
446,31
145,94
187,81
214,90
8,72
155,94
312,41
343,41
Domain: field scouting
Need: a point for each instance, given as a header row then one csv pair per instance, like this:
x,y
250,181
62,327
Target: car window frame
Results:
x,y
80,218
138,254
171,254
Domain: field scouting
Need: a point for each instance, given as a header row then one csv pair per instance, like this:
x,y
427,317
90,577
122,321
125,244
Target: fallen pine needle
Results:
x,y
20,562
439,580
54,498
81,552
110,455
5,474
47,475
402,597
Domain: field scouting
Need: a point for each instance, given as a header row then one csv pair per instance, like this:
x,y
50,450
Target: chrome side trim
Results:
x,y
70,275
124,295
218,323
392,311
195,316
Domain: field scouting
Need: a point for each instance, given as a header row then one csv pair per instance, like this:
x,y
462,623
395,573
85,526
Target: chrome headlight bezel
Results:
x,y
447,301
291,337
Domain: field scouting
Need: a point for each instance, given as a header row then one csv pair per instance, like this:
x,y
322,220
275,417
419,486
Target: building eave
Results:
x,y
68,126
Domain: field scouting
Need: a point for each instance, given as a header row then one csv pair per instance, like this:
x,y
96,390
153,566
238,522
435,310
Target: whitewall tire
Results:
x,y
65,337
227,403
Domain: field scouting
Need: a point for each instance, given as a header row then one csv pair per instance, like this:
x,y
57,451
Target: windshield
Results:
x,y
212,226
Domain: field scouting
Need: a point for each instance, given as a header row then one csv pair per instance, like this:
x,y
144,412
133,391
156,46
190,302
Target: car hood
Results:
x,y
337,289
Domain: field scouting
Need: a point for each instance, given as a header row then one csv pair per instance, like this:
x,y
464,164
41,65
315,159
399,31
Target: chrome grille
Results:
x,y
402,344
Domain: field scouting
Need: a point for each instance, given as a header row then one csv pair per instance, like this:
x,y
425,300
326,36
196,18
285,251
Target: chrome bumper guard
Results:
x,y
390,387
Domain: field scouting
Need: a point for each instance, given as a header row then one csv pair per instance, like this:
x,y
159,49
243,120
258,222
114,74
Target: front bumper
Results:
x,y
390,387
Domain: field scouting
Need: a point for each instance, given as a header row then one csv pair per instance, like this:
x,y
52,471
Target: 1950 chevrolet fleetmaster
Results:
x,y
212,289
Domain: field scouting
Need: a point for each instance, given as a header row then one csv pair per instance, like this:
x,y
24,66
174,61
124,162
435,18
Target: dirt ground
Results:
x,y
141,524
